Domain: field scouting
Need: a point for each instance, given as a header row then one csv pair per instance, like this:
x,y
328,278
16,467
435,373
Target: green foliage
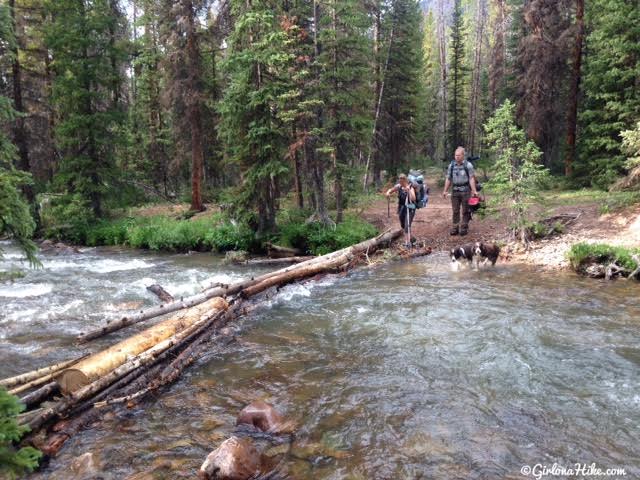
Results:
x,y
517,175
16,221
318,239
161,233
610,81
67,217
253,136
582,254
13,462
538,230
84,92
459,78
400,120
631,146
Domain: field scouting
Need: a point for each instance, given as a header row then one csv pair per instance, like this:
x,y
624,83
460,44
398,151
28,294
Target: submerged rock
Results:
x,y
264,417
85,467
235,459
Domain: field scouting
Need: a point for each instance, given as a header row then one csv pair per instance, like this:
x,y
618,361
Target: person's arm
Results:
x,y
392,190
472,182
472,178
412,194
447,184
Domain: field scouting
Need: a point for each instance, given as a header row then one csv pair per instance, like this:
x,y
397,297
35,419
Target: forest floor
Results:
x,y
432,224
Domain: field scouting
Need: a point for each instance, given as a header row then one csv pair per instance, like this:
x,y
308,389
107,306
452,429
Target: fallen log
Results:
x,y
275,261
99,364
277,251
288,277
160,292
145,358
36,374
37,396
226,290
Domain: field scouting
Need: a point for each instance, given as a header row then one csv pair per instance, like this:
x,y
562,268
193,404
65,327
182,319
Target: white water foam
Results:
x,y
107,266
25,290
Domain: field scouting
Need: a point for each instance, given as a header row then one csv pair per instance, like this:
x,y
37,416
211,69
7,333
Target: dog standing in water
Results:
x,y
487,252
465,252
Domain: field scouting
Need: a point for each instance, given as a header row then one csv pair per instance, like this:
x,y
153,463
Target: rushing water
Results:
x,y
404,371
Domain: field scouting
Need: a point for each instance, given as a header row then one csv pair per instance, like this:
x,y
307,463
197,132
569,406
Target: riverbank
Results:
x,y
600,218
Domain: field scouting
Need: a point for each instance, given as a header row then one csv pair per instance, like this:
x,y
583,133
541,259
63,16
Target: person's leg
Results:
x,y
402,215
455,206
412,213
466,213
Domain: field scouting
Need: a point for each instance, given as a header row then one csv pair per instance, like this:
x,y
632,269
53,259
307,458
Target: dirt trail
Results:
x,y
432,224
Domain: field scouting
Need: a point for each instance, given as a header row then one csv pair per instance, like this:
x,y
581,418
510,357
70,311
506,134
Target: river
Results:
x,y
404,371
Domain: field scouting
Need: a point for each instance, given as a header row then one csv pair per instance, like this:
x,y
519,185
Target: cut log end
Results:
x,y
71,380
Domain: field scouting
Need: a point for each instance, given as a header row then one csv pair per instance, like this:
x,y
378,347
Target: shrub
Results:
x,y
318,239
13,462
582,254
518,176
67,218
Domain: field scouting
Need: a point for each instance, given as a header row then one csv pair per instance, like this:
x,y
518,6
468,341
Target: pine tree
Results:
x,y
81,40
15,219
542,77
14,462
343,77
253,135
458,77
401,100
612,96
517,172
430,87
186,87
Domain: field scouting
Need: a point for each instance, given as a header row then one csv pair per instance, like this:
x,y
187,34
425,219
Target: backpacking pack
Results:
x,y
421,189
466,170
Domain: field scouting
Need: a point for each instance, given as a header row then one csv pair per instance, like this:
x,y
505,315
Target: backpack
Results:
x,y
421,189
466,170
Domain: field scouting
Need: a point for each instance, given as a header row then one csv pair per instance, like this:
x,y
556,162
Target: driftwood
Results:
x,y
40,394
160,292
98,365
636,272
277,251
275,261
36,374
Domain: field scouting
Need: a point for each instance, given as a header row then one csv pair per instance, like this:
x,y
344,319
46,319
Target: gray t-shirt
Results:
x,y
459,175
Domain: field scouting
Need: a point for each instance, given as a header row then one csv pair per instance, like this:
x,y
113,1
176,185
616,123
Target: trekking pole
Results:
x,y
408,222
388,207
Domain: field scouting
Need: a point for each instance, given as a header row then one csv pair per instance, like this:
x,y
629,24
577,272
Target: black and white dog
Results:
x,y
487,252
465,252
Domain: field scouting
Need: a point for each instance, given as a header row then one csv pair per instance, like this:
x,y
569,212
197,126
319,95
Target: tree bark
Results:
x,y
19,129
574,93
99,364
36,374
194,113
160,292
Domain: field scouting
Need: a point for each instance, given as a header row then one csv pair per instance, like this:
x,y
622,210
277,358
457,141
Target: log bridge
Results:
x,y
65,397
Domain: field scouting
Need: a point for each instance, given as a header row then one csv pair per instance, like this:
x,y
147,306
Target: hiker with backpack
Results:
x,y
411,195
461,176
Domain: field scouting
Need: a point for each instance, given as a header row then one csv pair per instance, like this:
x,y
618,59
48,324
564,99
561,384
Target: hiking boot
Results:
x,y
453,231
463,231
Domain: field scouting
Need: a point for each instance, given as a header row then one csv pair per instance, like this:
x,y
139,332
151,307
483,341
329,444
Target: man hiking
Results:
x,y
461,175
406,205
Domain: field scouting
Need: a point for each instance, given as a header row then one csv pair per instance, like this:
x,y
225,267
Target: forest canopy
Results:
x,y
258,104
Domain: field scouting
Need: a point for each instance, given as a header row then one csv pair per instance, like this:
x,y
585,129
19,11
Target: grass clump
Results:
x,y
317,239
166,234
583,254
